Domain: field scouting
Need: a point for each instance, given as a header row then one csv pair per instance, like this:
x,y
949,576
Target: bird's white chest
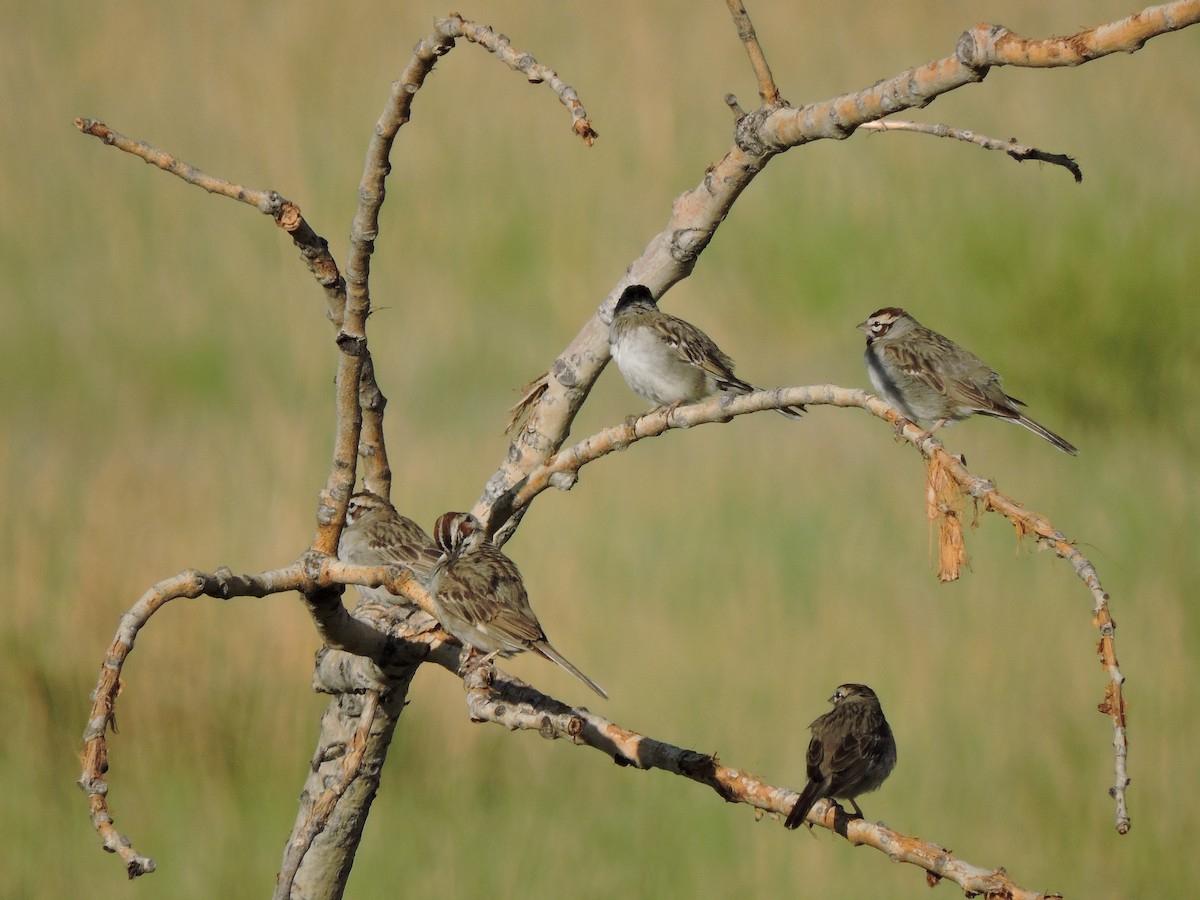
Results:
x,y
654,370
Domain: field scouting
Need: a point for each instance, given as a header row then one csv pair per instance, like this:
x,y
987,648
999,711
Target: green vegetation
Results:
x,y
168,373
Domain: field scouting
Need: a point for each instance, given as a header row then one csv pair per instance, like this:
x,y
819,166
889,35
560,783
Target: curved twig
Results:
x,y
317,578
314,249
1019,152
504,700
520,61
562,471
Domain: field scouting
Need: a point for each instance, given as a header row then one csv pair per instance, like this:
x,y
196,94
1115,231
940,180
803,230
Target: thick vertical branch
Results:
x,y
355,729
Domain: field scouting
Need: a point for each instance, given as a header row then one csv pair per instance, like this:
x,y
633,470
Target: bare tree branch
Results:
x,y
760,135
562,471
767,91
319,578
978,51
313,248
1017,151
507,701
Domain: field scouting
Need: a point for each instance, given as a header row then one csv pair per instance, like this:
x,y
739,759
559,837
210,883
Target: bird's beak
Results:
x,y
864,327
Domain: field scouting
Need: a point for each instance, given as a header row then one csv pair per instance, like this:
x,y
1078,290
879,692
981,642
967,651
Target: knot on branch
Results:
x,y
352,344
340,672
747,131
702,767
225,585
287,214
975,48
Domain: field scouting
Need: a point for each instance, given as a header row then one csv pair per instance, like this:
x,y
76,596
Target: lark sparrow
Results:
x,y
376,535
928,377
669,361
480,597
851,752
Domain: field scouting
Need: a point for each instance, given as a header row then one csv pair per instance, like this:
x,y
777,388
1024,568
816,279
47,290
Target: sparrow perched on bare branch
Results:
x,y
480,597
928,377
851,752
377,535
669,361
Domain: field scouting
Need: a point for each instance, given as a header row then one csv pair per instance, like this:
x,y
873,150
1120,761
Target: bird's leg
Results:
x,y
841,818
465,658
858,813
938,424
471,661
671,410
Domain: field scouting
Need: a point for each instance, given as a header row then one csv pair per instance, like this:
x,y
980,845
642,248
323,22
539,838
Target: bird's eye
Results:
x,y
879,328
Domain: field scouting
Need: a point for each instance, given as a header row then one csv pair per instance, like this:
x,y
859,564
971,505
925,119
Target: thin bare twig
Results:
x,y
314,249
314,576
507,701
520,61
758,60
1016,150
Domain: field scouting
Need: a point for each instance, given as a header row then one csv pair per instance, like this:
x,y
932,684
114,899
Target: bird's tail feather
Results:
x,y
1043,432
809,796
553,655
738,386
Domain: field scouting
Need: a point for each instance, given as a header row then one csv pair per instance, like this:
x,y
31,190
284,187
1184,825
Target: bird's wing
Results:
x,y
414,549
855,755
955,373
916,363
498,606
697,349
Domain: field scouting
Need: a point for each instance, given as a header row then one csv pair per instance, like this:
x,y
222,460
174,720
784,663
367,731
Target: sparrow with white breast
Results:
x,y
666,360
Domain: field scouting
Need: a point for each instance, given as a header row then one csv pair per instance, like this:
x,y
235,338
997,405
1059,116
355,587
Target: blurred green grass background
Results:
x,y
168,385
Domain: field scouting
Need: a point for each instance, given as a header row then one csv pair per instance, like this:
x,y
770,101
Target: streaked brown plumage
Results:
x,y
929,378
376,535
851,752
666,360
480,597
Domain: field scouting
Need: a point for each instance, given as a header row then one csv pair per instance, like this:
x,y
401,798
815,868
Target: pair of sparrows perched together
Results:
x,y
925,375
477,591
480,598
